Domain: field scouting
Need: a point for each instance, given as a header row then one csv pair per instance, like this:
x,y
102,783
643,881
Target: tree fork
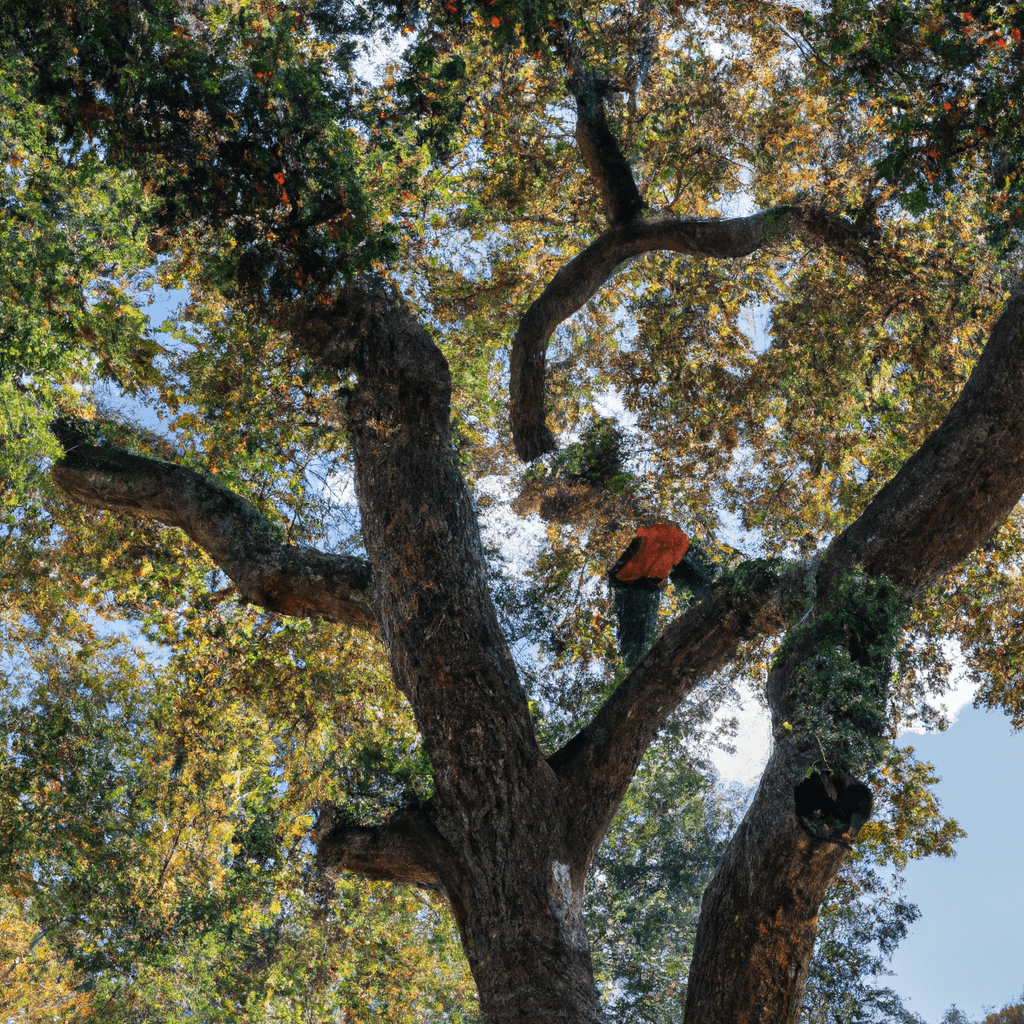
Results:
x,y
597,765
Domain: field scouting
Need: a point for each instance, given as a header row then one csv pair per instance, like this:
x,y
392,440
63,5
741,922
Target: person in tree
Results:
x,y
657,555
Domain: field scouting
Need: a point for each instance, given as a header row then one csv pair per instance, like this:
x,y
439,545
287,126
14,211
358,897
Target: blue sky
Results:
x,y
968,945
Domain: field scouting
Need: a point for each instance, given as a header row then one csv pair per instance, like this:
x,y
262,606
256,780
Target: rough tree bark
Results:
x,y
759,914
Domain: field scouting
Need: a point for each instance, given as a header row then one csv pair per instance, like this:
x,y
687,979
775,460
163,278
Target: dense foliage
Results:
x,y
234,164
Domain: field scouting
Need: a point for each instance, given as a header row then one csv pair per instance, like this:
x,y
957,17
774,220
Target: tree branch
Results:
x,y
605,160
599,148
597,765
763,901
447,651
406,849
584,275
268,572
961,484
946,500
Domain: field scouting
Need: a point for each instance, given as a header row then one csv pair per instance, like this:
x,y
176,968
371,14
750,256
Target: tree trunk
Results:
x,y
504,859
520,912
759,915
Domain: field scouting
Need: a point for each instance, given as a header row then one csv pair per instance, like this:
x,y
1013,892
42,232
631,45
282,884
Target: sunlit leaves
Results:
x,y
39,987
945,79
155,823
169,747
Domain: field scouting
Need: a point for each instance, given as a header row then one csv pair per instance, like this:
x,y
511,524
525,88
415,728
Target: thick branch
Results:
x,y
268,572
956,490
406,849
765,896
600,149
597,765
584,275
759,915
447,652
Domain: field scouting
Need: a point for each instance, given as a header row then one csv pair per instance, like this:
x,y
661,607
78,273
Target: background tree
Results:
x,y
500,175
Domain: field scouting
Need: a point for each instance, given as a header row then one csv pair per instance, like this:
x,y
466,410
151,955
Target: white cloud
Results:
x,y
962,689
753,742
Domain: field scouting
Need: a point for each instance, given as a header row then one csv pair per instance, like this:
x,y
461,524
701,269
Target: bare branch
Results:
x,y
268,572
584,275
597,765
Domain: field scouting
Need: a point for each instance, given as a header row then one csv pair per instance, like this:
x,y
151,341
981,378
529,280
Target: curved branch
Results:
x,y
597,765
584,275
406,849
268,572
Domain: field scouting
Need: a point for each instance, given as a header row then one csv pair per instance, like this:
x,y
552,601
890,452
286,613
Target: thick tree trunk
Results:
x,y
520,912
759,915
502,856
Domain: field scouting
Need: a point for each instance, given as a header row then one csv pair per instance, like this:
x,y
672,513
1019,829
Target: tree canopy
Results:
x,y
285,711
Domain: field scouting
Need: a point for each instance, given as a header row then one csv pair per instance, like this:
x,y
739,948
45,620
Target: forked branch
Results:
x,y
268,572
946,501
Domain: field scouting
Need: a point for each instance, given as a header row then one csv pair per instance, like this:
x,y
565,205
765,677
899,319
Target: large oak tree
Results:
x,y
377,270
